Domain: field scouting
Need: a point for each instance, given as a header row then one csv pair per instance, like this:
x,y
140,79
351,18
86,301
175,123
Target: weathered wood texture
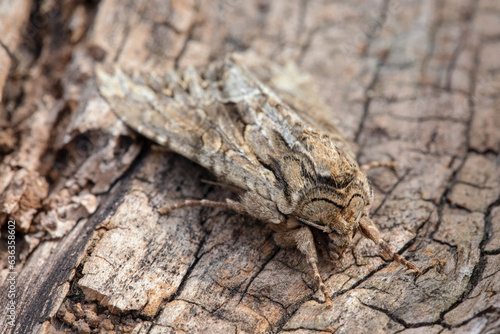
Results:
x,y
417,82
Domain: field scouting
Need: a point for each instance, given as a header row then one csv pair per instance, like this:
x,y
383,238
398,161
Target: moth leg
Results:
x,y
223,185
303,240
375,164
370,231
228,205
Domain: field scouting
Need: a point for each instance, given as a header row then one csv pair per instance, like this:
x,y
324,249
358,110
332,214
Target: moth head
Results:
x,y
341,231
334,221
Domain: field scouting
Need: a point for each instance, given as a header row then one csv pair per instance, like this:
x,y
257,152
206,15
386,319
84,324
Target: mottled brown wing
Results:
x,y
193,114
298,90
221,117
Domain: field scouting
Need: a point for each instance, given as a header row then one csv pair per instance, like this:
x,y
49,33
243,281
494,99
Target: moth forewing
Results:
x,y
302,180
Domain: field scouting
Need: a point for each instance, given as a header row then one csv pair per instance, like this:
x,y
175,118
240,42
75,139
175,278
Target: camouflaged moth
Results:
x,y
300,178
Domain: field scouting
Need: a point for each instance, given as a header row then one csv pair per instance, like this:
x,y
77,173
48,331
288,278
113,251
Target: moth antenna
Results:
x,y
370,231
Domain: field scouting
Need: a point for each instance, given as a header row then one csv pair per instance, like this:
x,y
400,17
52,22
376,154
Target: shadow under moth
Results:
x,y
291,169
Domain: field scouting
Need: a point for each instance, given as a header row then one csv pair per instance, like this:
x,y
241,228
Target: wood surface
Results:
x,y
417,82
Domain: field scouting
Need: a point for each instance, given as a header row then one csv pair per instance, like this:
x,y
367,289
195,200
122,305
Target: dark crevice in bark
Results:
x,y
474,280
253,277
481,265
9,53
388,194
197,258
487,311
397,319
368,99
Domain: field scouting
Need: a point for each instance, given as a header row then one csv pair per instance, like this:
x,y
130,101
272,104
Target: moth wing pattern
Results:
x,y
298,90
186,113
220,116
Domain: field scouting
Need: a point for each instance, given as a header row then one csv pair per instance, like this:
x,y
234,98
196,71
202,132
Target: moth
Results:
x,y
290,172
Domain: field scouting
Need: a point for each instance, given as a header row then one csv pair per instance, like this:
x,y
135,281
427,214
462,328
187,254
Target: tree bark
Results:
x,y
417,82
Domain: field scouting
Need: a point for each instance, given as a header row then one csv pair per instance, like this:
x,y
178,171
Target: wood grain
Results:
x,y
414,82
